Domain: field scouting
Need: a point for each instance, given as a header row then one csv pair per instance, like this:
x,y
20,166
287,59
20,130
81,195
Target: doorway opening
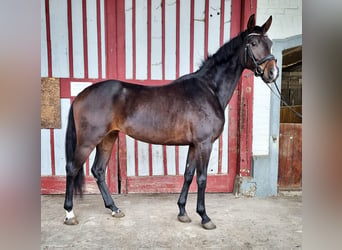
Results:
x,y
290,134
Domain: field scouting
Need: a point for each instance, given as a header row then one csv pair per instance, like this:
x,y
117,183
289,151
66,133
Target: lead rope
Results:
x,y
280,97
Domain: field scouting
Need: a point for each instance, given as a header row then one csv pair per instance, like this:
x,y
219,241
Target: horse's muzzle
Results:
x,y
271,72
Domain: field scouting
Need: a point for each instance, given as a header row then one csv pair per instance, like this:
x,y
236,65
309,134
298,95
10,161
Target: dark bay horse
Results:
x,y
188,111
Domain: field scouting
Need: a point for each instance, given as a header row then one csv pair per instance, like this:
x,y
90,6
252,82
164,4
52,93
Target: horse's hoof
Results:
x,y
118,214
209,225
71,221
184,218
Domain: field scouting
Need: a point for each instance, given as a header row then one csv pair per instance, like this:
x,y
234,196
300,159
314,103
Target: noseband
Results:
x,y
258,71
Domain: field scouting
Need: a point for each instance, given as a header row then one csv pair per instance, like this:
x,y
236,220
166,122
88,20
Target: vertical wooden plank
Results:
x,y
130,156
129,38
213,43
44,71
143,159
59,38
99,39
184,37
199,18
141,39
170,39
103,38
77,38
45,155
92,43
156,40
227,20
225,139
59,138
171,160
157,160
71,64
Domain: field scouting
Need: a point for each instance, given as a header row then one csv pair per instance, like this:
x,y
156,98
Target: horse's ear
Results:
x,y
251,22
267,25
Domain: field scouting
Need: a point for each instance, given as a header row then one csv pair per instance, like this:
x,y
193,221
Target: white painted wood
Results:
x,y
199,32
261,118
182,154
184,37
77,38
59,38
128,39
77,87
93,62
213,45
227,19
43,43
91,159
143,159
157,160
214,26
170,39
45,152
171,160
156,40
59,138
130,156
214,158
225,139
103,40
141,40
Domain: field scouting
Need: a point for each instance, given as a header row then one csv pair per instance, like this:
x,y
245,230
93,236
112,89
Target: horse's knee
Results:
x,y
202,181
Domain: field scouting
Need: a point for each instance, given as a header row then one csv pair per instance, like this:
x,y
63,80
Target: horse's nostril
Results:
x,y
271,72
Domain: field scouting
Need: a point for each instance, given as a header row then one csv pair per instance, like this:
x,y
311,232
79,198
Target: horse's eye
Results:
x,y
254,43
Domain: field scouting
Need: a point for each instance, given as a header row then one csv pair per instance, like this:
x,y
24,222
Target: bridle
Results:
x,y
258,71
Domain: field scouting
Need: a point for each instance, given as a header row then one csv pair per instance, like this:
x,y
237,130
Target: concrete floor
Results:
x,y
151,223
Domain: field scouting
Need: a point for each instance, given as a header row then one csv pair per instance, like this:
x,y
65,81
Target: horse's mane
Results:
x,y
224,53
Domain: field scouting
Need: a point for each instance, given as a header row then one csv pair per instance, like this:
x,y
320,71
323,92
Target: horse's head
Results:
x,y
257,51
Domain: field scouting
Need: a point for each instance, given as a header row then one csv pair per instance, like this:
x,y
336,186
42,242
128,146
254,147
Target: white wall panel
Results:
x,y
156,40
59,38
171,160
103,40
130,156
45,155
227,19
128,39
59,138
141,39
184,37
170,39
93,62
43,42
143,159
199,32
77,38
157,160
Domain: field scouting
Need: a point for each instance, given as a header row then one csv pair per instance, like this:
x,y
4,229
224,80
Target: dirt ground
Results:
x,y
151,223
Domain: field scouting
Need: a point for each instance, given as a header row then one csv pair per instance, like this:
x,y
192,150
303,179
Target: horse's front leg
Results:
x,y
188,176
202,159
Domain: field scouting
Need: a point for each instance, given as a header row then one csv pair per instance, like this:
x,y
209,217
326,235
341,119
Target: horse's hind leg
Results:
x,y
103,152
73,170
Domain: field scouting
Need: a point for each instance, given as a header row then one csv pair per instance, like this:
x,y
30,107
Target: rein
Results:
x,y
258,71
280,97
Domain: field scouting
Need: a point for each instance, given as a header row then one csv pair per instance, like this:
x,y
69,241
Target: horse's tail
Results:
x,y
70,147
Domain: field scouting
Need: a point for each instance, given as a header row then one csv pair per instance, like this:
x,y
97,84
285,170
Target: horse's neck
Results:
x,y
223,78
226,80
